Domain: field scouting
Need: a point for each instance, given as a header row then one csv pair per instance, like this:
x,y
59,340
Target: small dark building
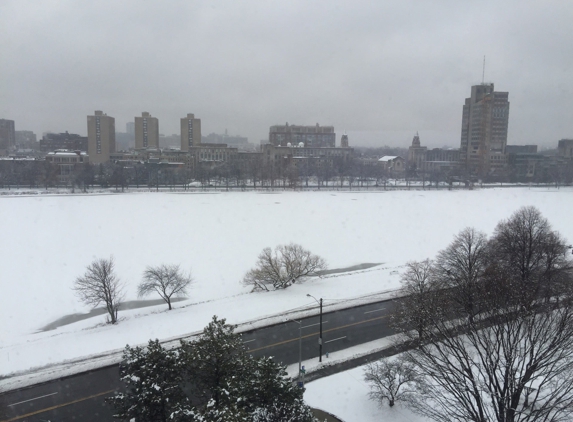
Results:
x,y
70,141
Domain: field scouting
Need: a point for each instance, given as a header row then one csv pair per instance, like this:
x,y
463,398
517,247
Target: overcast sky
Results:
x,y
380,70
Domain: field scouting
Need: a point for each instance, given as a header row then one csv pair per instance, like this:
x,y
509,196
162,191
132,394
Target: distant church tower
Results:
x,y
416,141
344,141
416,154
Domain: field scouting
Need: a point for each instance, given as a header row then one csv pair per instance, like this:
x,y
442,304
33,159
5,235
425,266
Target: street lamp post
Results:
x,y
320,335
299,348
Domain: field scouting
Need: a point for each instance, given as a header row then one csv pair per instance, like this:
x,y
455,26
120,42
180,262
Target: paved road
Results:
x,y
81,397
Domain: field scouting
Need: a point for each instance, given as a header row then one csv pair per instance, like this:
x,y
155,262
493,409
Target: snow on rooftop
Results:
x,y
389,158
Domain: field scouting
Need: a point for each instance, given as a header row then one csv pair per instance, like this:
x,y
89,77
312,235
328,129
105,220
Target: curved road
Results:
x,y
81,397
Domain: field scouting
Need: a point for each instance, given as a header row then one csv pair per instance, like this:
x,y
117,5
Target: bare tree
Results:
x,y
166,280
531,255
419,294
393,380
513,360
98,285
461,266
287,265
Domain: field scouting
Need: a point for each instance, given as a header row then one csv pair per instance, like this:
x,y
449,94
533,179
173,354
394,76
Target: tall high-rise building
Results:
x,y
146,131
7,136
130,128
101,137
190,132
484,130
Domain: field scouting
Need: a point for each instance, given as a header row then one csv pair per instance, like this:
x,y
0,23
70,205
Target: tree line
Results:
x,y
360,170
352,172
490,328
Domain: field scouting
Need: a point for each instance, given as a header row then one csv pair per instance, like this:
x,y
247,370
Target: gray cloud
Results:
x,y
379,70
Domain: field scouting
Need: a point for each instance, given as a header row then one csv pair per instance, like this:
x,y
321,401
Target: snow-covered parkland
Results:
x,y
48,240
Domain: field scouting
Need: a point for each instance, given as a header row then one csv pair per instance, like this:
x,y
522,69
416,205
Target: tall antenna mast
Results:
x,y
483,73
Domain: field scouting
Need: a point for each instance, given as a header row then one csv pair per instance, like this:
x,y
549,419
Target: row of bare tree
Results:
x,y
356,171
287,265
101,285
490,324
233,174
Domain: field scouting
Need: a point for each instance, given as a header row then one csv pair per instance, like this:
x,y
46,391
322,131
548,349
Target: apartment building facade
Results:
x,y
101,137
7,136
190,132
146,131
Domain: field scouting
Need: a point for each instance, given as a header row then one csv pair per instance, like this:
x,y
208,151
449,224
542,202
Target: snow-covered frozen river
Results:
x,y
48,241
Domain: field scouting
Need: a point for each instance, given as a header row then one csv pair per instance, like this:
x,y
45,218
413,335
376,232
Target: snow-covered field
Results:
x,y
47,242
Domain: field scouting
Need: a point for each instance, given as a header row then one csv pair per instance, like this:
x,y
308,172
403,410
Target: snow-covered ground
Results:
x,y
47,241
345,395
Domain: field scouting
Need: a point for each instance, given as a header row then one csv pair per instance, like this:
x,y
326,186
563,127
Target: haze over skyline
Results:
x,y
381,71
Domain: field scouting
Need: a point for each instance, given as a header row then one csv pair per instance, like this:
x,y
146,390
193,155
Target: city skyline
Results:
x,y
379,72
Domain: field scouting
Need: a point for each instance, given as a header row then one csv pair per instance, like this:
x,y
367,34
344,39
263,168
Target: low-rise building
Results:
x,y
279,155
523,161
63,141
26,139
424,160
310,136
67,162
393,164
240,142
203,154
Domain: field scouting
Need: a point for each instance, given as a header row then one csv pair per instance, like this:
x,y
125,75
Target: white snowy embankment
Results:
x,y
48,241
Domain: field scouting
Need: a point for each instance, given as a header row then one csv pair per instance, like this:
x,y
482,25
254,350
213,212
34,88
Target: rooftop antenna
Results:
x,y
483,72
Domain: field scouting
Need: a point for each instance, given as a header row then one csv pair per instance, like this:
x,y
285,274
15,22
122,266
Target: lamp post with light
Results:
x,y
320,335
